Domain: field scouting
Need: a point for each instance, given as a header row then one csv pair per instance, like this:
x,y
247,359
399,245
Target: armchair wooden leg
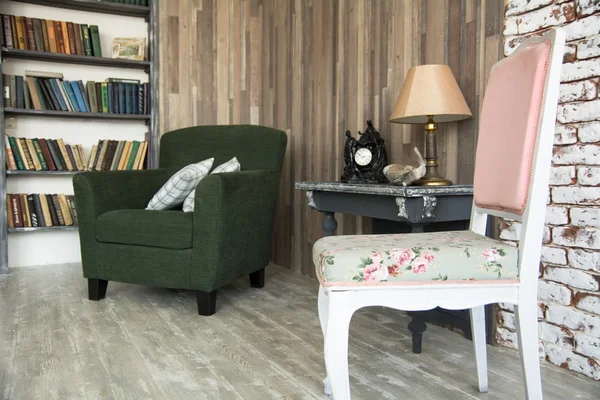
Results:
x,y
97,289
207,302
257,279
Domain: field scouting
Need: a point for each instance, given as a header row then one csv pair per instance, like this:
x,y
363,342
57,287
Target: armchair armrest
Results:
x,y
99,192
233,226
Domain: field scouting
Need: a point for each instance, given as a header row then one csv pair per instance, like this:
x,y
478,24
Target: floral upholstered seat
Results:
x,y
414,259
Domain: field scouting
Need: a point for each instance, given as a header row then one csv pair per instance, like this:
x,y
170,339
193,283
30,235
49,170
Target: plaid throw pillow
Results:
x,y
180,185
230,166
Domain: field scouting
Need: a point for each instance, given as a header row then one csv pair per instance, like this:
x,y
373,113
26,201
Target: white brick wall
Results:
x,y
569,285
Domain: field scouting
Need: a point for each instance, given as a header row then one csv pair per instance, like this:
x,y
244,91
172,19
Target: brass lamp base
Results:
x,y
431,177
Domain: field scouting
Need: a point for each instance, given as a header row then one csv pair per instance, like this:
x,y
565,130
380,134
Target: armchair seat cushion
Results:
x,y
166,229
459,257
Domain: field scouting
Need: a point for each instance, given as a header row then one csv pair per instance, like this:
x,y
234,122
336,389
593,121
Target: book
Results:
x,y
8,34
45,37
48,91
111,98
84,95
82,157
29,33
40,154
65,33
27,95
47,154
134,151
71,96
20,33
38,34
97,155
9,214
87,41
63,91
95,38
71,156
104,97
138,156
91,91
99,96
15,208
52,37
71,34
60,38
13,91
71,202
22,144
56,155
78,39
44,74
102,155
38,210
79,96
19,95
90,164
10,158
33,215
125,156
64,207
36,161
65,154
16,153
52,210
58,209
62,102
2,41
117,157
24,210
13,24
144,155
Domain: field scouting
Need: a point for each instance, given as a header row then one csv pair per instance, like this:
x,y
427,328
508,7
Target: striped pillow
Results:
x,y
230,166
180,185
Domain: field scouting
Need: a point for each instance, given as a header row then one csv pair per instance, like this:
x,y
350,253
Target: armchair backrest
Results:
x,y
256,147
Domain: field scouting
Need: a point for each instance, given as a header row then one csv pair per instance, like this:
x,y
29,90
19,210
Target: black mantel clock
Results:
x,y
365,158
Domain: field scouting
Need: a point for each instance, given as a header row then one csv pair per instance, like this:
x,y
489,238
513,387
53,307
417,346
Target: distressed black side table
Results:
x,y
399,209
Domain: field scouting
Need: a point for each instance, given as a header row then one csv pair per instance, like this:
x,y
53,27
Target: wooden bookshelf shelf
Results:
x,y
38,173
74,59
73,114
43,228
103,7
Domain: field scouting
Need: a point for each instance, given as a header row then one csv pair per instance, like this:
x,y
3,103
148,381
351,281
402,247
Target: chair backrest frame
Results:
x,y
533,218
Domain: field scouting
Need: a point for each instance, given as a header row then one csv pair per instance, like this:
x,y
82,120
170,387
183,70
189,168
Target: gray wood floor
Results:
x,y
149,343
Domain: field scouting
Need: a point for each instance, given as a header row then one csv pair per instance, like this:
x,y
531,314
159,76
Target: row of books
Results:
x,y
132,2
40,210
118,155
25,33
48,91
43,155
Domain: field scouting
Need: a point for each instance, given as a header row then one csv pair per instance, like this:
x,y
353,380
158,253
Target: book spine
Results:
x,y
34,157
20,96
78,96
10,157
39,36
122,108
27,95
47,154
23,147
87,42
13,24
85,96
111,96
78,39
13,91
24,210
45,37
65,155
125,156
117,157
33,215
52,101
9,214
104,97
16,211
90,163
134,150
63,93
7,93
71,156
102,155
72,97
59,214
58,94
8,33
39,210
97,155
144,153
29,34
65,34
71,34
91,92
21,153
95,37
2,39
52,42
141,99
60,38
51,209
16,153
81,157
40,154
64,207
115,98
138,156
56,156
72,209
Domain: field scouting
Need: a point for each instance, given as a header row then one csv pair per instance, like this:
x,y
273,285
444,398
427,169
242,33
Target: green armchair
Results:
x,y
228,235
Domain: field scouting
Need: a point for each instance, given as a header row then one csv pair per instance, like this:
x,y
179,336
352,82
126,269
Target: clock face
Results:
x,y
363,157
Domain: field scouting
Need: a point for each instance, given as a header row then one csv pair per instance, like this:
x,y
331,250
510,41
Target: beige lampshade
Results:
x,y
430,90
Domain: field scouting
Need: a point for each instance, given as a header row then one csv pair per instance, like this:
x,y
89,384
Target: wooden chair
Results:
x,y
463,269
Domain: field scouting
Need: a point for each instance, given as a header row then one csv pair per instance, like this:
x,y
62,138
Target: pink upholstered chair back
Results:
x,y
516,102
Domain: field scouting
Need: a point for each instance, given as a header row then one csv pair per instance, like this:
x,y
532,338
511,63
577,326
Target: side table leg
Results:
x,y
329,224
416,326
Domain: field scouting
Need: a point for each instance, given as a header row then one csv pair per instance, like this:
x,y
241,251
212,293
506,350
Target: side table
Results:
x,y
399,209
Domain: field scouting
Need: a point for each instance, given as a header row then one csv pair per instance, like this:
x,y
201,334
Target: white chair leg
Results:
x,y
480,346
336,344
323,316
527,331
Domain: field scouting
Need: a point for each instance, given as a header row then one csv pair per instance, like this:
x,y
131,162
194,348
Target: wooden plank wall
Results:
x,y
315,68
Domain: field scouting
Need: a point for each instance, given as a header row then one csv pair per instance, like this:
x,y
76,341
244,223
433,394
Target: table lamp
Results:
x,y
430,95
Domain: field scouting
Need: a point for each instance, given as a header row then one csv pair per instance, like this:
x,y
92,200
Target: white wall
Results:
x,y
49,247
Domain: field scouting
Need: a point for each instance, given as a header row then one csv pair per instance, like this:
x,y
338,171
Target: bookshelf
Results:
x,y
150,67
